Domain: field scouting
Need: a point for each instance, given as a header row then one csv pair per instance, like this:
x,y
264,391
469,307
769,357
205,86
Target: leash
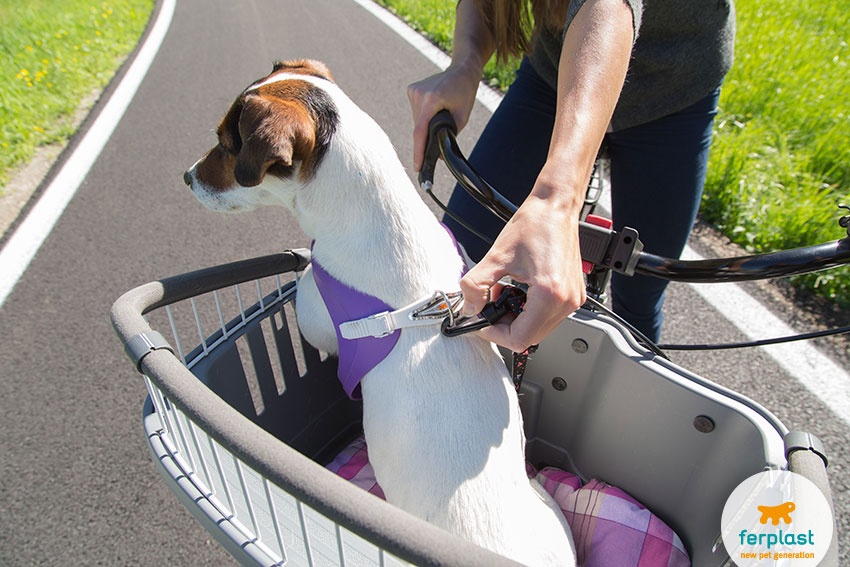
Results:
x,y
511,300
518,364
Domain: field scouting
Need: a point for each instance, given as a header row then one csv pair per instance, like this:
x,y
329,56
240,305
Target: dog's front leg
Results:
x,y
314,321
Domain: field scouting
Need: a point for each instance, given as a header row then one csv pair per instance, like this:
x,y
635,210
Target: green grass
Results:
x,y
436,19
54,53
780,159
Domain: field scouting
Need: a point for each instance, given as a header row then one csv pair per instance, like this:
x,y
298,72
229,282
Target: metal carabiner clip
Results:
x,y
511,300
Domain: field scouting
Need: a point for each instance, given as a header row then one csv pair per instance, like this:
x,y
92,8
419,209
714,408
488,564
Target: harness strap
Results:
x,y
356,357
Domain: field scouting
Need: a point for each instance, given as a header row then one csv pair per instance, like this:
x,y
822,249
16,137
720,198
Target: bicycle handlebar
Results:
x,y
756,267
441,141
600,246
621,251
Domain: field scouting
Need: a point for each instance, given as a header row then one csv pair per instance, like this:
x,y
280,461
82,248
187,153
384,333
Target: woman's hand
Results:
x,y
538,247
454,90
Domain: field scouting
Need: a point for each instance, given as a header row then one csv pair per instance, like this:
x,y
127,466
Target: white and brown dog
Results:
x,y
441,416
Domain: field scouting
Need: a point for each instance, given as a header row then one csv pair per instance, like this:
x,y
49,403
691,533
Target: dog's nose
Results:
x,y
187,178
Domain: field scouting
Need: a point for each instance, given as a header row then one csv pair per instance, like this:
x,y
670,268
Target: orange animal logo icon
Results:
x,y
776,513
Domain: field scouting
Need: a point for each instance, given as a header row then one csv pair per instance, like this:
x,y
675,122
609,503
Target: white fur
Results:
x,y
441,417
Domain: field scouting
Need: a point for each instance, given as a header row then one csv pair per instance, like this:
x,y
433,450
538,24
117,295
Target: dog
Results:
x,y
440,415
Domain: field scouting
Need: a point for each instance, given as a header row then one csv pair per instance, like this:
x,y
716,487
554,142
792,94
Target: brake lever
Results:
x,y
511,300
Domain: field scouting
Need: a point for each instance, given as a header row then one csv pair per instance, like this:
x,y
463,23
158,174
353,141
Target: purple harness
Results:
x,y
344,303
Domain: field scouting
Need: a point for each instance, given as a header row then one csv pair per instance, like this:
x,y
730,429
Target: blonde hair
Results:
x,y
514,22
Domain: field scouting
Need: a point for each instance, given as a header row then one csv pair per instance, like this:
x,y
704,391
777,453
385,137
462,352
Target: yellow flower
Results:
x,y
19,76
45,61
5,144
24,72
38,42
28,48
97,32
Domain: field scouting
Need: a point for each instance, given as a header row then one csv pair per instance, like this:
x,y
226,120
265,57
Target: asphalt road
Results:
x,y
77,485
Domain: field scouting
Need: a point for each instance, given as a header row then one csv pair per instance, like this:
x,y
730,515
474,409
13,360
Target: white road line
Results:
x,y
801,359
486,95
23,245
814,370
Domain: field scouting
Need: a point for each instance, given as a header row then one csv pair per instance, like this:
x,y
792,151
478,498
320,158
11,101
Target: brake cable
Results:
x,y
427,186
843,222
762,342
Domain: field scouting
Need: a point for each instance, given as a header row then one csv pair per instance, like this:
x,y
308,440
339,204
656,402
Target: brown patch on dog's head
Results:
x,y
272,128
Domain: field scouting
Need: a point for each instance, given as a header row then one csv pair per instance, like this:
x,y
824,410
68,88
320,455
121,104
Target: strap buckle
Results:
x,y
378,326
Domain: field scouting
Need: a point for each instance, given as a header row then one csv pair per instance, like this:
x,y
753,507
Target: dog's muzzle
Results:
x,y
189,174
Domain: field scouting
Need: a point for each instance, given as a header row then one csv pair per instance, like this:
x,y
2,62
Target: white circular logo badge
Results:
x,y
776,518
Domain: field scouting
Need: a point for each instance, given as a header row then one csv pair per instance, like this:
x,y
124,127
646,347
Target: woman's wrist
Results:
x,y
472,43
469,67
560,188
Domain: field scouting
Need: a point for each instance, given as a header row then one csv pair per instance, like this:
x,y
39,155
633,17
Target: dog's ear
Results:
x,y
275,134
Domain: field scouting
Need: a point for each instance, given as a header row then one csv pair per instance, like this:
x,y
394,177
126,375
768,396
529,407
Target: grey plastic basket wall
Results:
x,y
242,421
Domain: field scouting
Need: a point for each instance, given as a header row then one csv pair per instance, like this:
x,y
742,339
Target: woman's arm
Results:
x,y
453,89
539,246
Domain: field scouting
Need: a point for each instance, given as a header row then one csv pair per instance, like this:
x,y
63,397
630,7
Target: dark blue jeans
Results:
x,y
657,176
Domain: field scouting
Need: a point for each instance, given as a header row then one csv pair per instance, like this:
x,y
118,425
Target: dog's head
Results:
x,y
275,133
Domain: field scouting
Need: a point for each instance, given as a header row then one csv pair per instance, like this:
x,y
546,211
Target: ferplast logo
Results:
x,y
787,538
776,518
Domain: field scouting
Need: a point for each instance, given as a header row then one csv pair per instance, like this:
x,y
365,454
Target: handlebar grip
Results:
x,y
441,121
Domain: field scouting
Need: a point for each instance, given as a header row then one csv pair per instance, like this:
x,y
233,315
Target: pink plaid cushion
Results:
x,y
610,528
